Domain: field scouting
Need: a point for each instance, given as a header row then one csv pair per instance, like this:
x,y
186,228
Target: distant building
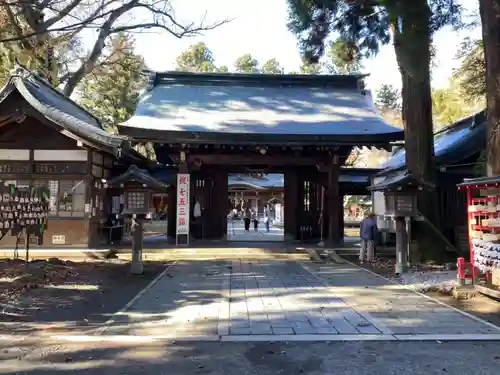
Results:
x,y
257,190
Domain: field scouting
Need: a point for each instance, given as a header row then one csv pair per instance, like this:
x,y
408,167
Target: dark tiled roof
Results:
x,y
141,176
253,104
456,142
490,181
270,180
59,109
399,180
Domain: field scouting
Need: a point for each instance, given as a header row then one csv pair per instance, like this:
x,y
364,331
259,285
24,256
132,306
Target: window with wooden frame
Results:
x,y
136,200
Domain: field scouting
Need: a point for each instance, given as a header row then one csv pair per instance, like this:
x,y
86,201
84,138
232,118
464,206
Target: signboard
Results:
x,y
23,209
182,224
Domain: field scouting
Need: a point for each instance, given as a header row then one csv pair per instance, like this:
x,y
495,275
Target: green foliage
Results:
x,y
362,26
471,74
246,64
197,58
308,68
341,59
388,98
272,66
388,103
449,106
110,92
49,55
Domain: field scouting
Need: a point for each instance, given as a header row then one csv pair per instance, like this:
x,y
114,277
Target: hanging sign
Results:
x,y
23,209
182,225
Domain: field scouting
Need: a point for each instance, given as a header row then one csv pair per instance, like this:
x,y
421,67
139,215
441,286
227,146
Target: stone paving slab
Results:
x,y
236,232
185,302
398,309
257,298
284,297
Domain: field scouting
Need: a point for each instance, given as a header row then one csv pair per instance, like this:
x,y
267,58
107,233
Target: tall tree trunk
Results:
x,y
412,41
490,18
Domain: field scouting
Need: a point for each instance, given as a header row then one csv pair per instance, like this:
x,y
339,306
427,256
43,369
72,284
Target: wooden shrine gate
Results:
x,y
209,188
302,204
303,190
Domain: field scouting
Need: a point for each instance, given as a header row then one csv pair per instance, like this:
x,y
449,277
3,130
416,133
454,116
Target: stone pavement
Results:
x,y
279,299
236,232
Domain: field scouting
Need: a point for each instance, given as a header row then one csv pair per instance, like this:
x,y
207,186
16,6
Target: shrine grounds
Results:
x,y
221,311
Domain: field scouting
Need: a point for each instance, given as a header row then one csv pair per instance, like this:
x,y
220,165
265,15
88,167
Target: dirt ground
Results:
x,y
57,294
481,306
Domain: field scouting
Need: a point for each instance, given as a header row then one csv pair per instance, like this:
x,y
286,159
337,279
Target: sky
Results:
x,y
259,27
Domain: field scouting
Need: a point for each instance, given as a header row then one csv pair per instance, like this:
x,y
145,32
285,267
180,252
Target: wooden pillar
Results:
x,y
401,245
291,208
341,219
92,218
171,213
333,202
220,202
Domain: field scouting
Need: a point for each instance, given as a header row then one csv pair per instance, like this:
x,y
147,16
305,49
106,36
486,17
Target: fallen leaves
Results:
x,y
19,283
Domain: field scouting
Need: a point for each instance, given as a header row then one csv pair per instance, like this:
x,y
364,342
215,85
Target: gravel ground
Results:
x,y
65,294
481,306
32,357
350,358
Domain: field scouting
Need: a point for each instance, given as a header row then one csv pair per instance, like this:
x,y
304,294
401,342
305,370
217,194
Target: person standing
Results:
x,y
368,233
266,217
255,220
246,218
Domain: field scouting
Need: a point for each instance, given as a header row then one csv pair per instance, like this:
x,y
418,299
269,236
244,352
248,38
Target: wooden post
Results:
x,y
171,214
401,245
341,219
290,203
27,247
137,237
333,202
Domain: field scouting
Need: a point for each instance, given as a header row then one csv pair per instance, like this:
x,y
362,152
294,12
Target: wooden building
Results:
x,y
48,140
257,190
457,149
212,124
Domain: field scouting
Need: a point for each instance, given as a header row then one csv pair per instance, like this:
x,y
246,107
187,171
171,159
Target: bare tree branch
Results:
x,y
39,21
101,13
62,13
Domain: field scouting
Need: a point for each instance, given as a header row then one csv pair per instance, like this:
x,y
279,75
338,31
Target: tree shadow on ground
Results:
x,y
70,295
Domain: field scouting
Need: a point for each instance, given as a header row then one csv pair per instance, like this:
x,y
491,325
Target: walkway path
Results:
x,y
236,232
285,300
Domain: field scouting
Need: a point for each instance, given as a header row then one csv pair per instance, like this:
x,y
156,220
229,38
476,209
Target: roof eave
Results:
x,y
67,122
175,77
179,137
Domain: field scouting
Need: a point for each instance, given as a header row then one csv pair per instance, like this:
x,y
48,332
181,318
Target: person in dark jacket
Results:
x,y
368,233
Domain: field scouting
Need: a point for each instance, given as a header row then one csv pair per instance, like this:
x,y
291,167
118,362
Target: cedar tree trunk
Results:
x,y
490,18
412,41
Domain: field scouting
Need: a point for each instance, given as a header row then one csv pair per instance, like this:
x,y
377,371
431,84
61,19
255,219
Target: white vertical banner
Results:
x,y
182,224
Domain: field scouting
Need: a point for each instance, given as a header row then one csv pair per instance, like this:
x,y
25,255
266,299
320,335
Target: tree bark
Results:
x,y
96,52
412,41
412,38
490,19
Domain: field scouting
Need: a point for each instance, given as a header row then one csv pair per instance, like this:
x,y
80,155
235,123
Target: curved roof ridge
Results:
x,y
262,79
23,72
463,121
460,139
